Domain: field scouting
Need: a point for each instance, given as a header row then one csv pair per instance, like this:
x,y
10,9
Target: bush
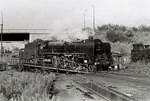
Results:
x,y
115,36
17,86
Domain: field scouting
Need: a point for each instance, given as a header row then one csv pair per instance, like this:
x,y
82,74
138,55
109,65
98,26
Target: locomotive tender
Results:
x,y
86,55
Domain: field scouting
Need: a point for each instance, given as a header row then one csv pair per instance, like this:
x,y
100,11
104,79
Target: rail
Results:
x,y
109,94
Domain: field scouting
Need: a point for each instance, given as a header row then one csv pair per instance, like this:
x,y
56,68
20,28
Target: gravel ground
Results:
x,y
135,87
138,69
67,90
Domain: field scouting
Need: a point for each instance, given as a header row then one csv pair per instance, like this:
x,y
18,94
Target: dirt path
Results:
x,y
67,90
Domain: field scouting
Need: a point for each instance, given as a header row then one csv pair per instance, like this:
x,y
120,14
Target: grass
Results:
x,y
25,86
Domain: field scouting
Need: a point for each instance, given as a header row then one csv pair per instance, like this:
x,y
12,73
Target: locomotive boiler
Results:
x,y
81,55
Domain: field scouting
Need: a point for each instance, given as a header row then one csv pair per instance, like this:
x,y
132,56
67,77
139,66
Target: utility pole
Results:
x,y
84,18
93,18
1,34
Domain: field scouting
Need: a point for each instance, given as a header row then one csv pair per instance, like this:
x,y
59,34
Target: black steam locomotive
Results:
x,y
140,53
86,55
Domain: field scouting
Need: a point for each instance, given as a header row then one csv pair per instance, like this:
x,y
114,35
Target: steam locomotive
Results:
x,y
140,53
81,55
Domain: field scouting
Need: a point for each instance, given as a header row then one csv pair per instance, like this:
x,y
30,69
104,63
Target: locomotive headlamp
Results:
x,y
85,61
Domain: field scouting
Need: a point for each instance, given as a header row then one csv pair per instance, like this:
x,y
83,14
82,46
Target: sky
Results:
x,y
67,15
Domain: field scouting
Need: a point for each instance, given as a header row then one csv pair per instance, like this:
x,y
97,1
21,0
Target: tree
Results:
x,y
115,36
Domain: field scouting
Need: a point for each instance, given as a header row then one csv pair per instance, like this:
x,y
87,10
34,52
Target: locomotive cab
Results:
x,y
103,56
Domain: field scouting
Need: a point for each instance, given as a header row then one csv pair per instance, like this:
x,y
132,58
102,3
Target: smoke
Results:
x,y
68,30
64,34
70,35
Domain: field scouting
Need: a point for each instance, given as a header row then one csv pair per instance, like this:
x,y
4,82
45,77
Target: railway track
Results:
x,y
109,94
140,80
92,91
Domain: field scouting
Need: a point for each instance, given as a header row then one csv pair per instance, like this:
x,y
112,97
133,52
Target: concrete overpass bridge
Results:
x,y
24,34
